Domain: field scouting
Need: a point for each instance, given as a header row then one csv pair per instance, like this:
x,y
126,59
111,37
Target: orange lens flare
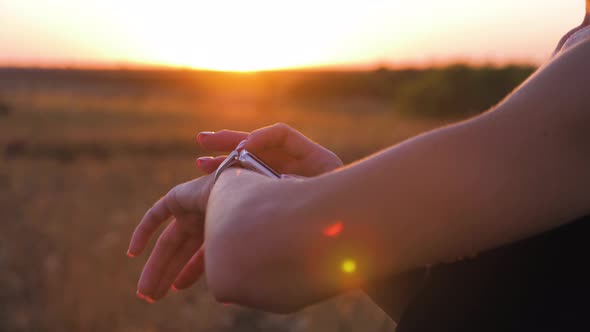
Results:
x,y
333,230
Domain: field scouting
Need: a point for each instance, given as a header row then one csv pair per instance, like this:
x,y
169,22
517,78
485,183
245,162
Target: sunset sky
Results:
x,y
257,35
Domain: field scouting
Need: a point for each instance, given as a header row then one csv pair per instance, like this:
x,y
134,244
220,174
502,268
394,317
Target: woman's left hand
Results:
x,y
177,258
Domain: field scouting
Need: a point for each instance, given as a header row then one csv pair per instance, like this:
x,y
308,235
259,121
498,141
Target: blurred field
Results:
x,y
86,153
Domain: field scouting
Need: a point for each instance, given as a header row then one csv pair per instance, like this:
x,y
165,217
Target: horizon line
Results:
x,y
417,65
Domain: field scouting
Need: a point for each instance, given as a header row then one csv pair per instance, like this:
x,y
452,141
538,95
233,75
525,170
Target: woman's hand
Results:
x,y
177,258
282,147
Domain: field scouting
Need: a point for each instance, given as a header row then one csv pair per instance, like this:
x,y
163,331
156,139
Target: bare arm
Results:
x,y
503,176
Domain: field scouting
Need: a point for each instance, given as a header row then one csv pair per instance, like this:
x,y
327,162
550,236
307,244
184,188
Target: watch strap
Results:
x,y
231,160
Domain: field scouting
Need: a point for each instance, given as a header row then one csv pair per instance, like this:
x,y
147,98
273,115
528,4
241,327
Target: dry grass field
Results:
x,y
86,153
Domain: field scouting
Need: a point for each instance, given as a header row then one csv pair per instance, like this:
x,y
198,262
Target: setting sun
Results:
x,y
245,36
261,35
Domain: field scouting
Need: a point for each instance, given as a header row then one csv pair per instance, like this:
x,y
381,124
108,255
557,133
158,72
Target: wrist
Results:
x,y
208,181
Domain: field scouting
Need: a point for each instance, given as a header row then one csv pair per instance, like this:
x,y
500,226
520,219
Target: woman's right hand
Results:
x,y
280,146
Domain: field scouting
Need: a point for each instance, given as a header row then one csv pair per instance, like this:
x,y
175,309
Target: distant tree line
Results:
x,y
451,91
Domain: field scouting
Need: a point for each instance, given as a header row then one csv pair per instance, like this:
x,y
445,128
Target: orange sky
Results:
x,y
257,35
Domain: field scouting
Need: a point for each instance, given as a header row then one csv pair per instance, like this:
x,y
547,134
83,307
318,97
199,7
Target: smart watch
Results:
x,y
245,159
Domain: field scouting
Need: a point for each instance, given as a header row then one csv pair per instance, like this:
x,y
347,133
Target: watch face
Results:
x,y
251,162
246,160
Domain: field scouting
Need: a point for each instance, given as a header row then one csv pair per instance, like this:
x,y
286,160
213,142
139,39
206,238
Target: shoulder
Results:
x,y
574,39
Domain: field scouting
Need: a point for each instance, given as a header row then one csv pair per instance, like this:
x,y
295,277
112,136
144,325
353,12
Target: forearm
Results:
x,y
498,178
503,176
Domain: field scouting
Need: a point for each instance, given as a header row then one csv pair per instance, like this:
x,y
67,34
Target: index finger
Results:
x,y
154,217
224,140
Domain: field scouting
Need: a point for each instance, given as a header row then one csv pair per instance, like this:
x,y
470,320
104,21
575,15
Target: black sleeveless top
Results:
x,y
539,284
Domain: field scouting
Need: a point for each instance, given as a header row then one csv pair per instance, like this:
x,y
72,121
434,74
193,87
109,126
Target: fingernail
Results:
x,y
141,296
150,300
173,288
129,254
201,159
203,134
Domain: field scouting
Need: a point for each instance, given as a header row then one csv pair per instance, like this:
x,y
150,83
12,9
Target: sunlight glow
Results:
x,y
348,266
245,35
263,34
